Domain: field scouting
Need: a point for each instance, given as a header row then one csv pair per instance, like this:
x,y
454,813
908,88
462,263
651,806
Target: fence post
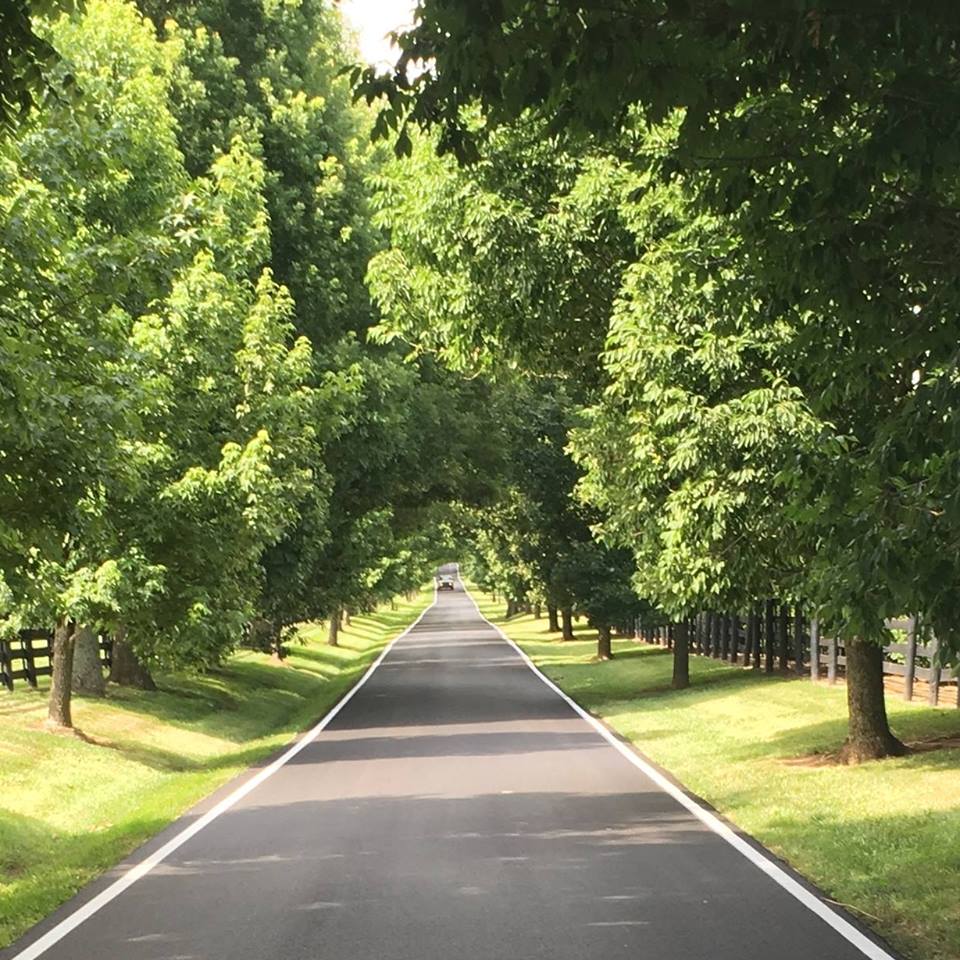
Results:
x,y
832,659
5,666
29,666
725,622
798,641
768,613
717,634
782,630
933,694
910,666
105,644
814,649
753,648
734,637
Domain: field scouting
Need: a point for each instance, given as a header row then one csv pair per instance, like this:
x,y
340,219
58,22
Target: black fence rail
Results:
x,y
777,638
29,656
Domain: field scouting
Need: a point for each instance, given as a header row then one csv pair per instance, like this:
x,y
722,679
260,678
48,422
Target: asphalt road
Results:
x,y
456,809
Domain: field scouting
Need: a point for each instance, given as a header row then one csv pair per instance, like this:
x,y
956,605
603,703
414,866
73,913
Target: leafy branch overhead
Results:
x,y
27,57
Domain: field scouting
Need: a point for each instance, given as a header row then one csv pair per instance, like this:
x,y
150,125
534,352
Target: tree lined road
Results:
x,y
456,808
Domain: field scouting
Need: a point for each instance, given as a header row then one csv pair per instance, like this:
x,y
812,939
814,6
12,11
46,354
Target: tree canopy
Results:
x,y
773,411
661,292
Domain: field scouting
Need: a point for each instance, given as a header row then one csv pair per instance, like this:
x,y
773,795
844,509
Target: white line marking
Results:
x,y
776,873
87,910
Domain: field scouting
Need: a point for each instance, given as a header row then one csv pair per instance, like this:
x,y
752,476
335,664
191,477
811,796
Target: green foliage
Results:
x,y
194,435
513,262
271,72
79,252
686,449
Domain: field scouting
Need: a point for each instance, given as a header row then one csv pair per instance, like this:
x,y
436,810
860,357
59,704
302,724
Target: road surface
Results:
x,y
456,809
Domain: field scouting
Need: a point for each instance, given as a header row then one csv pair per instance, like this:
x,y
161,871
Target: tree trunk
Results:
x,y
276,642
869,736
333,636
346,617
537,611
681,656
126,668
58,711
87,669
511,607
604,648
553,624
566,618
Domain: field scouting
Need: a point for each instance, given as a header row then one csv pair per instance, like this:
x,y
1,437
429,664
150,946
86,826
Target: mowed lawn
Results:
x,y
71,808
882,838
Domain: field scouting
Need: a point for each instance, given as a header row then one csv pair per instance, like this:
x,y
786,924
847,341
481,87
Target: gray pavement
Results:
x,y
456,809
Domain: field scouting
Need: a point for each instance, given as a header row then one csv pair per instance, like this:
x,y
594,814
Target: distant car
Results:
x,y
445,582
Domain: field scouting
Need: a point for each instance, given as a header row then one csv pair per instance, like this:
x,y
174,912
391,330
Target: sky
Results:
x,y
373,20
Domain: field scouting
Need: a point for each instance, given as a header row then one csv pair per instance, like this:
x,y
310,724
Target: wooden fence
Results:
x,y
778,638
33,652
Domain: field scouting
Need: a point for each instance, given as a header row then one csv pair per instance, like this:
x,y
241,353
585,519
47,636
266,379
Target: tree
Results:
x,y
818,136
273,72
513,262
78,251
599,581
167,430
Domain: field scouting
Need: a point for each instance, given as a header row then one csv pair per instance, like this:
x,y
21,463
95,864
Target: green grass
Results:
x,y
71,808
882,838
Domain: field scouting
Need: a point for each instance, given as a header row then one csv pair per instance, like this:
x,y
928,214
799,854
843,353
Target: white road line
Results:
x,y
141,869
773,870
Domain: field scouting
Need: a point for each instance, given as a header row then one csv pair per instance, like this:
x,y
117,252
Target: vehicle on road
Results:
x,y
445,582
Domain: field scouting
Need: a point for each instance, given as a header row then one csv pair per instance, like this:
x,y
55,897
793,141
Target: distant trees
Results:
x,y
513,265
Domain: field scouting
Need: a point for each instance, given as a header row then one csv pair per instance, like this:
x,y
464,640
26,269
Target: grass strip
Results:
x,y
883,839
70,808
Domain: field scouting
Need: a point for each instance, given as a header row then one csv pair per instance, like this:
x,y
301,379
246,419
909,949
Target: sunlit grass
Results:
x,y
882,838
70,808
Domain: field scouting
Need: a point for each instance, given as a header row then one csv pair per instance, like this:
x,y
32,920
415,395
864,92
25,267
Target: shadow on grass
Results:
x,y
40,867
911,727
638,671
897,873
638,678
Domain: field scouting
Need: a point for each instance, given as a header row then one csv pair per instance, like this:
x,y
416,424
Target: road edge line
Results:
x,y
85,911
797,890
